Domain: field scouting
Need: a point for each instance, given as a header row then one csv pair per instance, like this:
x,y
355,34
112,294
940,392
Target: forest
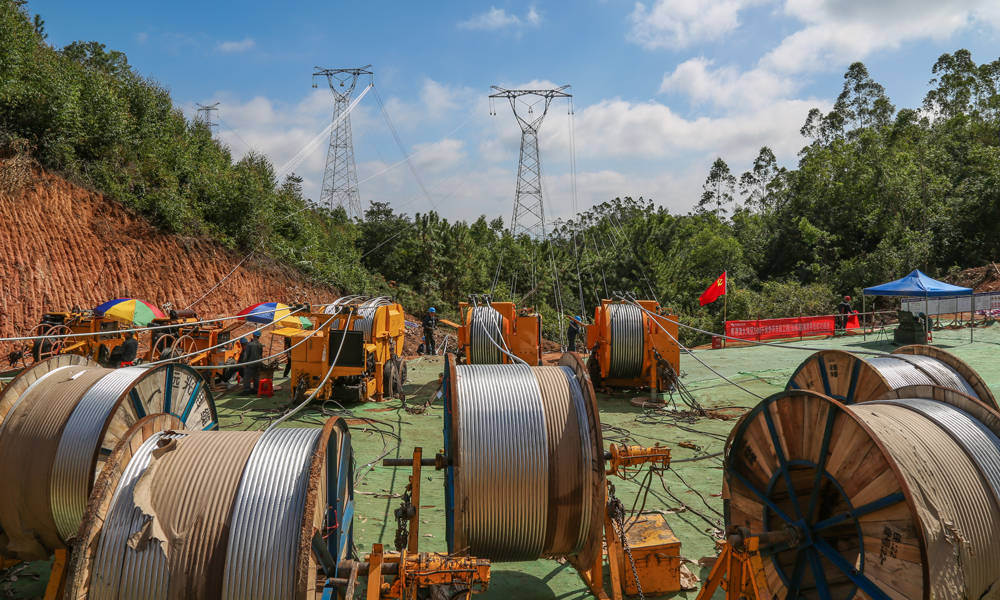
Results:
x,y
877,191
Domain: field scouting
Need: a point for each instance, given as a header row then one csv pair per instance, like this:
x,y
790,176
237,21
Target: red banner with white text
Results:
x,y
794,327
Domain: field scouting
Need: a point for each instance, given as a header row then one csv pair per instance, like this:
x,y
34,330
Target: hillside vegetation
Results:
x,y
877,192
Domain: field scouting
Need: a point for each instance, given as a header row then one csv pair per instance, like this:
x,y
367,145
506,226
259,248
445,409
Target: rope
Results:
x,y
226,277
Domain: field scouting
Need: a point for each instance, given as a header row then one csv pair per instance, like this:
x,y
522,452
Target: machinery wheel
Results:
x,y
402,377
49,347
184,347
389,380
103,354
162,348
594,370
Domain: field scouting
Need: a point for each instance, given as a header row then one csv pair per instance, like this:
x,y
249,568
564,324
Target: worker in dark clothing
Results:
x,y
430,324
572,331
127,352
288,356
845,310
252,353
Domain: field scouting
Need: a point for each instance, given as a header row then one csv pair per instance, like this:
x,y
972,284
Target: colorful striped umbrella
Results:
x,y
129,311
296,321
265,312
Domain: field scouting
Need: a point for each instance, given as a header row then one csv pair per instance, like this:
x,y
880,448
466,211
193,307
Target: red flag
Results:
x,y
718,288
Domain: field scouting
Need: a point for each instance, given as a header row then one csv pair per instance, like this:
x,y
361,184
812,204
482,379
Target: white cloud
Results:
x,y
727,86
497,18
680,23
446,154
242,46
838,32
141,37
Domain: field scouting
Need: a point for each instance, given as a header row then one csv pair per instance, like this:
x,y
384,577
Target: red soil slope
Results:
x,y
63,246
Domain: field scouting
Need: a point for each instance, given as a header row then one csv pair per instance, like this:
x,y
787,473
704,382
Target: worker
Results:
x,y
844,308
130,348
430,324
572,331
252,354
288,356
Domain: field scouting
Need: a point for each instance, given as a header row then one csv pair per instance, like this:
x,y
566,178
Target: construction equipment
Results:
x,y
196,344
535,433
739,569
97,346
365,337
633,344
495,332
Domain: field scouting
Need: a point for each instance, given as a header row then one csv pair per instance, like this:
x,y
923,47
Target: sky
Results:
x,y
661,88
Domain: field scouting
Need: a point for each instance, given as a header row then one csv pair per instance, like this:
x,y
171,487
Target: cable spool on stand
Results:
x,y
487,329
896,498
527,474
634,344
60,421
227,515
852,378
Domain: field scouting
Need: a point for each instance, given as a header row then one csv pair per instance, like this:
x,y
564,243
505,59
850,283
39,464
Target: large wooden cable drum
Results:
x,y
894,498
61,420
627,343
854,378
486,327
526,478
208,515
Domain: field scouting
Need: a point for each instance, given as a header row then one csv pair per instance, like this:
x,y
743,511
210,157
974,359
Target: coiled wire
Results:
x,y
263,551
901,370
261,516
524,486
366,311
485,336
951,466
71,474
627,343
117,566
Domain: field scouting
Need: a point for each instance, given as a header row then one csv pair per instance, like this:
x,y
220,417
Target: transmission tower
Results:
x,y
529,216
205,115
340,179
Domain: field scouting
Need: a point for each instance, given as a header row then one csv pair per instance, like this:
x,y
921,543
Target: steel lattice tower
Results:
x,y
529,216
340,179
205,114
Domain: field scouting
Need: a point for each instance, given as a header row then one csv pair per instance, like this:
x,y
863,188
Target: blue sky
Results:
x,y
661,88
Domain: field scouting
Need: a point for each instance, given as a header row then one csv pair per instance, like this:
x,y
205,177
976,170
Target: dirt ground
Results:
x,y
64,246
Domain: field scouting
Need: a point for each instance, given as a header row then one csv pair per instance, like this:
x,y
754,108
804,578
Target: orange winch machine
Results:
x,y
365,336
200,344
487,326
633,344
98,346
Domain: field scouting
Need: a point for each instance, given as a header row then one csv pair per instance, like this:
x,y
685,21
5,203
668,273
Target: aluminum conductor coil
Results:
x,y
227,514
68,415
505,461
854,378
981,444
526,467
485,336
627,342
71,472
267,516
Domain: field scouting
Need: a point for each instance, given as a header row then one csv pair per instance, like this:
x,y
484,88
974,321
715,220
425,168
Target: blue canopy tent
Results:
x,y
919,284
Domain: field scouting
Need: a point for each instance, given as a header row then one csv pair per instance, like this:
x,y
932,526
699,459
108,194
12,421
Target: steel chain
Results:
x,y
618,519
402,523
